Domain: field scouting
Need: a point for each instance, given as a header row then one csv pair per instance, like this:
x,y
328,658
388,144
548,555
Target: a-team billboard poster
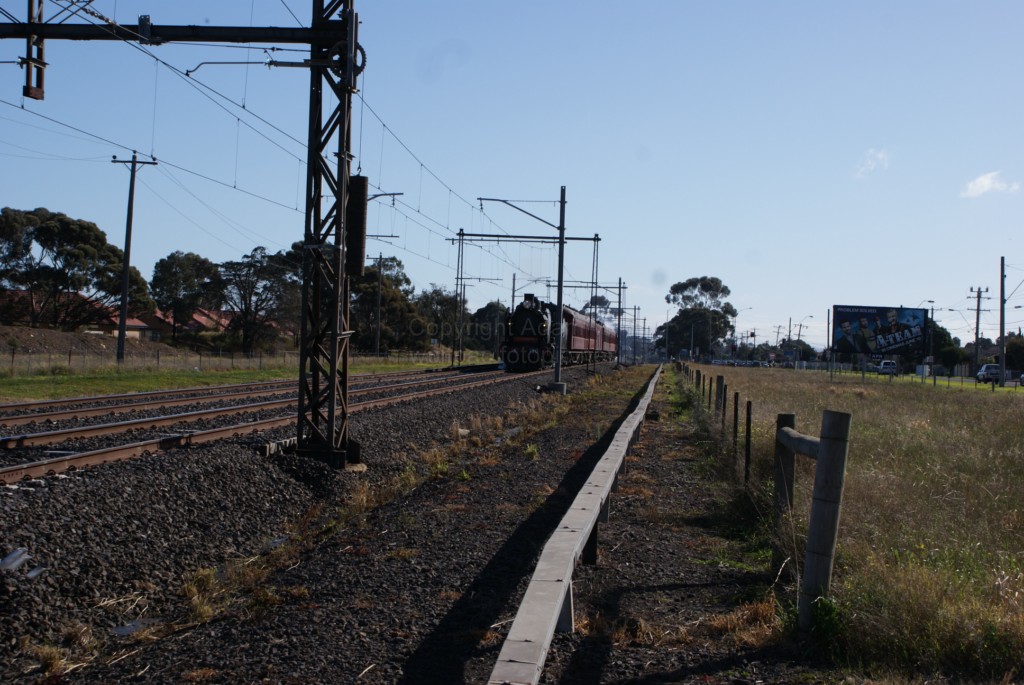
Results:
x,y
879,330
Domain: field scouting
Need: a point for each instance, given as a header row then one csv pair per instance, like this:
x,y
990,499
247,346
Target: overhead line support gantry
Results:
x,y
334,235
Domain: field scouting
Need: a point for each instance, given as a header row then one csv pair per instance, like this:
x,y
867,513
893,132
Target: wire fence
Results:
x,y
74,362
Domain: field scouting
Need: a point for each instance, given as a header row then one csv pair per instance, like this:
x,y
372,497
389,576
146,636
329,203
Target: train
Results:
x,y
531,335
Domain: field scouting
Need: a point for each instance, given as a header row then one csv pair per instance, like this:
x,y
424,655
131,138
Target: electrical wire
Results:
x,y
127,148
212,94
199,86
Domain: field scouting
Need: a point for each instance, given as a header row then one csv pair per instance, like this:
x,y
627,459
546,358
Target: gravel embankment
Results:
x,y
406,593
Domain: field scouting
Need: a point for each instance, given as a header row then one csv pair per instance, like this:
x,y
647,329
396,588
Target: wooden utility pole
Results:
x,y
122,324
334,225
977,325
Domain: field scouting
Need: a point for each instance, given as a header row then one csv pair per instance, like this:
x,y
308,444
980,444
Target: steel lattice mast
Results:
x,y
323,381
323,375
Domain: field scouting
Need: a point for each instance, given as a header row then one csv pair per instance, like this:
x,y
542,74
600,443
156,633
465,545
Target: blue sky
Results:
x,y
807,153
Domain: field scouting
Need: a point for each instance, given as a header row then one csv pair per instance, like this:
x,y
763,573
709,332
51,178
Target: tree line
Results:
x,y
704,323
60,272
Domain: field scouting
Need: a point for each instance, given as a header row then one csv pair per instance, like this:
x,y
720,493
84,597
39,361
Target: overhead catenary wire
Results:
x,y
122,146
200,87
219,99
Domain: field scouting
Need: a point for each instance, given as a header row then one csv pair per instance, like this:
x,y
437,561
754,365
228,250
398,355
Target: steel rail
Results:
x,y
55,465
60,435
21,406
175,401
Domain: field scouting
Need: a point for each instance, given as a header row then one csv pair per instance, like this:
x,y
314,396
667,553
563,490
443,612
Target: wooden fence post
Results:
x,y
723,401
823,527
783,489
746,455
735,426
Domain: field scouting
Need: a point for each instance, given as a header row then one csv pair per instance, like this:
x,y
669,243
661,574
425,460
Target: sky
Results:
x,y
807,153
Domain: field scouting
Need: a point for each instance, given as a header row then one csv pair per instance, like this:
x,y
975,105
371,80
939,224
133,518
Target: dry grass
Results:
x,y
929,565
51,659
756,624
632,631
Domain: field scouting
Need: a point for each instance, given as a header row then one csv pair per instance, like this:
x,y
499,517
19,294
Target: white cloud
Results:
x,y
872,161
988,183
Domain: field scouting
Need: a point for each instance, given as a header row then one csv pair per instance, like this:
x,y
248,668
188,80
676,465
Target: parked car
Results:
x,y
887,368
988,373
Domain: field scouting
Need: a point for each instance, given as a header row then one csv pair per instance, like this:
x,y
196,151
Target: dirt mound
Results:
x,y
25,340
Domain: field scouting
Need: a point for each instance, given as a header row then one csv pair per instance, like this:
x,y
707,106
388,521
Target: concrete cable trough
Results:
x,y
547,605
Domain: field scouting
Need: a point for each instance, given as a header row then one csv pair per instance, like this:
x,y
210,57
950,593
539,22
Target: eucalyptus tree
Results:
x,y
62,272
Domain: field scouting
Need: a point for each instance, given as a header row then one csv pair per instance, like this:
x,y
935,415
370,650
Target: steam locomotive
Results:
x,y
532,330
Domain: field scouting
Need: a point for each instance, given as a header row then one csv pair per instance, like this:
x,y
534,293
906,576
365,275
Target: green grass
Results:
x,y
929,574
22,388
48,385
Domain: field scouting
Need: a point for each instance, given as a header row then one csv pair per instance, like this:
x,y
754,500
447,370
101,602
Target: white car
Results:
x,y
887,368
988,373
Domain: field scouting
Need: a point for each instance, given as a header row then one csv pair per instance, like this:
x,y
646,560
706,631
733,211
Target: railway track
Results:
x,y
20,413
135,437
77,409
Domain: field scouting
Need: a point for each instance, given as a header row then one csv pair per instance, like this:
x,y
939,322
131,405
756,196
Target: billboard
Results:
x,y
879,330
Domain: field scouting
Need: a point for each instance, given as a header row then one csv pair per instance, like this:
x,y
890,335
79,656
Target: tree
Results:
x,y
254,290
183,282
598,305
704,318
488,326
401,325
706,292
68,273
951,356
440,309
1015,352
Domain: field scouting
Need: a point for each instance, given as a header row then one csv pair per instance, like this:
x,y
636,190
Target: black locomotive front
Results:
x,y
528,342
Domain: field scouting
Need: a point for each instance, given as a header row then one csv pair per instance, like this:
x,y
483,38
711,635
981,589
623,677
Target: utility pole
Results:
x,y
459,297
1002,322
122,322
380,288
559,386
643,339
977,325
635,307
380,285
618,326
668,356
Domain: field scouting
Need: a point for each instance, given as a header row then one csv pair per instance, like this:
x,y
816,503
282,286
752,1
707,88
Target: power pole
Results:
x,y
1002,322
459,297
643,339
977,325
618,325
635,307
667,355
380,288
558,385
335,228
122,323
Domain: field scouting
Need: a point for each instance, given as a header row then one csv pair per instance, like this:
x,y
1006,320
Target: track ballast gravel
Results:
x,y
419,590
